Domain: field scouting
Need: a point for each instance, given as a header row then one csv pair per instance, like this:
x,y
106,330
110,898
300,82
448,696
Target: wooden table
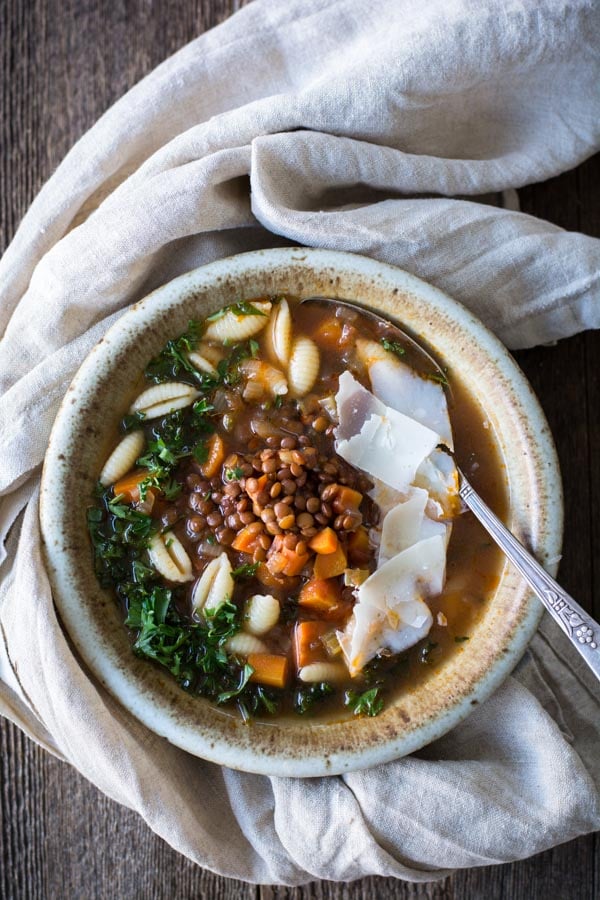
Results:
x,y
63,63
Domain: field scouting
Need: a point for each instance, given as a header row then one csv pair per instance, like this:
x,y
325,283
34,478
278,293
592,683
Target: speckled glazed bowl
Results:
x,y
101,393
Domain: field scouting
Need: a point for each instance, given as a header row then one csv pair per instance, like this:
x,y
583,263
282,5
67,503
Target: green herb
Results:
x,y
278,401
245,677
132,421
254,347
200,452
459,640
172,361
234,474
193,653
141,572
119,537
305,698
248,570
393,347
439,378
367,704
139,525
238,309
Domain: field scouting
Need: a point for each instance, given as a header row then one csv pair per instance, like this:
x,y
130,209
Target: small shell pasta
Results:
x,y
206,357
214,586
278,337
323,671
304,366
164,398
123,457
261,614
263,379
243,644
235,327
201,363
169,558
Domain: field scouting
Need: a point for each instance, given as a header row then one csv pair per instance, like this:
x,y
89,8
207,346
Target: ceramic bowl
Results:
x,y
100,395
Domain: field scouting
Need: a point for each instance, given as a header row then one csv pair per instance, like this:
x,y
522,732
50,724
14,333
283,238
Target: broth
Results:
x,y
244,478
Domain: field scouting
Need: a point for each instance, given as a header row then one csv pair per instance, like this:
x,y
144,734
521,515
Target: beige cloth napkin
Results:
x,y
340,124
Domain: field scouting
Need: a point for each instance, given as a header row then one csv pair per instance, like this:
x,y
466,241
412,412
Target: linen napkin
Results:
x,y
348,125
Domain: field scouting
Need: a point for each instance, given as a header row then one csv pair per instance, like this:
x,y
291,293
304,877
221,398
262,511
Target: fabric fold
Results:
x,y
370,128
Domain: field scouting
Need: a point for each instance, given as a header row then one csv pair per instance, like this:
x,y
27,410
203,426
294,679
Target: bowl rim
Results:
x,y
61,554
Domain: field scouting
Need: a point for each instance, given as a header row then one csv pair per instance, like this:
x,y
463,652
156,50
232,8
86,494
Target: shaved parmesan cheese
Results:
x,y
399,386
415,485
406,524
378,439
439,477
389,612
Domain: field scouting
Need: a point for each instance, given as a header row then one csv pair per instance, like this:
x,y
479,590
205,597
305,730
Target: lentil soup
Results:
x,y
237,540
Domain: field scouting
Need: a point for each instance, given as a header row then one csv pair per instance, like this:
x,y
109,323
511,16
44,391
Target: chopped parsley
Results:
x,y
305,698
234,474
243,308
440,377
172,361
367,704
248,570
393,347
132,421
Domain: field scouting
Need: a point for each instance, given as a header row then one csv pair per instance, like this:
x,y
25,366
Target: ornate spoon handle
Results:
x,y
580,628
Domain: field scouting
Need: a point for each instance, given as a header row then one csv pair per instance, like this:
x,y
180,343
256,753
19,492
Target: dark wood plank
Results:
x,y
61,65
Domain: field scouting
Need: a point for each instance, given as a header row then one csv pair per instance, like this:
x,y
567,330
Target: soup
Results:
x,y
250,553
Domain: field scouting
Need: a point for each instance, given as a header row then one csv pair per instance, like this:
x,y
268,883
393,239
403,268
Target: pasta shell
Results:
x,y
263,379
206,357
210,352
304,365
323,671
234,327
261,614
123,457
242,644
278,337
169,558
201,363
214,586
164,398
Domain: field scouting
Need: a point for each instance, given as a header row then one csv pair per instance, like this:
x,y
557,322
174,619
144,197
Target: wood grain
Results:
x,y
61,65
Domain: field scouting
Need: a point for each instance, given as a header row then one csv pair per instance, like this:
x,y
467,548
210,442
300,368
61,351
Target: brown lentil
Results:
x,y
287,522
305,520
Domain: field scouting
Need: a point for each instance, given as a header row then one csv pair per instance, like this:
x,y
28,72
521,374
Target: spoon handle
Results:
x,y
580,628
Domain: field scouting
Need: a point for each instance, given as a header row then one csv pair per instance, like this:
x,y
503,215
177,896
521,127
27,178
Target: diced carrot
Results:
x,y
320,595
307,644
270,579
216,455
246,540
269,669
329,565
358,546
346,498
128,487
325,541
286,561
329,334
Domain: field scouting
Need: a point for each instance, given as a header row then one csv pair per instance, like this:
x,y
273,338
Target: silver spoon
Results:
x,y
582,631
